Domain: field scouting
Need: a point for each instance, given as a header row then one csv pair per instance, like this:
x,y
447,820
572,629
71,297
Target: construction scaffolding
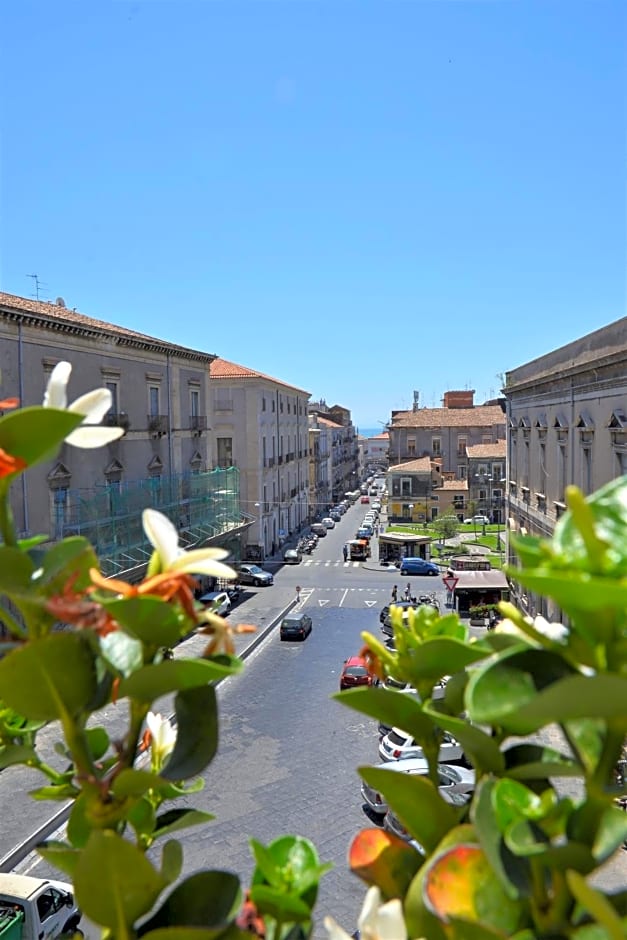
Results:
x,y
202,506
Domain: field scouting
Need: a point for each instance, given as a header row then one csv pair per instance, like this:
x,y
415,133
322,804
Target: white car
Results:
x,y
477,520
451,780
396,745
328,523
218,601
391,822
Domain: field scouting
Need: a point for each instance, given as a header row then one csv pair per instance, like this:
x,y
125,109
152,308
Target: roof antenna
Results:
x,y
35,277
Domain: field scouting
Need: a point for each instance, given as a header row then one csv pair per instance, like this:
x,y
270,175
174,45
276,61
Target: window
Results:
x,y
113,388
586,469
194,402
263,403
562,467
225,451
462,443
153,400
61,505
411,446
436,446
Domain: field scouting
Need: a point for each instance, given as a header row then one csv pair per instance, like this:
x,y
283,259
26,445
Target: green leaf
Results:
x,y
610,834
208,899
123,653
98,741
151,682
512,872
35,434
16,571
442,656
283,907
535,762
58,791
598,906
142,817
78,827
176,819
61,856
172,861
196,733
416,802
393,708
49,678
73,557
115,884
601,696
296,867
499,691
17,754
576,591
132,783
149,619
481,749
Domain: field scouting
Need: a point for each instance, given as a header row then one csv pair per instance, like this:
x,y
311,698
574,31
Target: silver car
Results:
x,y
397,745
217,601
452,780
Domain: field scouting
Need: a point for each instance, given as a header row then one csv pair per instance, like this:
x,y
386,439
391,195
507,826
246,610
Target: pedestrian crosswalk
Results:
x,y
311,562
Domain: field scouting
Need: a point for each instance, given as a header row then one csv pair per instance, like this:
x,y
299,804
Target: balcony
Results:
x,y
198,424
117,419
157,425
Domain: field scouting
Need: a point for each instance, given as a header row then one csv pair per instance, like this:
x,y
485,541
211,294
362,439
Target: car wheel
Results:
x,y
257,582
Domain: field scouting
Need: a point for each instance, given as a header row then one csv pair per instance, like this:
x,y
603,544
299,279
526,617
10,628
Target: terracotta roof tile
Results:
x,y
454,485
421,465
223,369
55,314
496,449
328,423
479,416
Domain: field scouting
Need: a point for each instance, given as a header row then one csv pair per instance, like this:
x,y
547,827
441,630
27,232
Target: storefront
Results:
x,y
396,545
475,588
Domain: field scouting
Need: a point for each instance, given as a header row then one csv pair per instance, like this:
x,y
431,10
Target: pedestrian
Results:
x,y
408,592
345,552
394,594
298,593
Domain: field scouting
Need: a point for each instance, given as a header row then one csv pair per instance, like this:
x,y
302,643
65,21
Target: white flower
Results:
x,y
165,540
376,922
163,738
552,631
94,406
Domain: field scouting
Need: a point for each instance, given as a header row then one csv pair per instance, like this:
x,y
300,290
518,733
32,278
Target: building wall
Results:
x,y
567,424
29,350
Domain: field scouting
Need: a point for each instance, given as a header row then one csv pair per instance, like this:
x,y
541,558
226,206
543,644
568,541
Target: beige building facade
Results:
x,y
161,397
566,424
261,427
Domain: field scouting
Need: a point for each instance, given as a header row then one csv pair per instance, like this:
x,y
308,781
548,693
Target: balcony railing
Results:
x,y
117,419
198,423
158,424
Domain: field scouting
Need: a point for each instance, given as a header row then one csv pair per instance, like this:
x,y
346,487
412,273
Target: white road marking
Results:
x,y
343,598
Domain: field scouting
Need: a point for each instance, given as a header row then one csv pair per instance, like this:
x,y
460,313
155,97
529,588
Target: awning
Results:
x,y
493,580
404,538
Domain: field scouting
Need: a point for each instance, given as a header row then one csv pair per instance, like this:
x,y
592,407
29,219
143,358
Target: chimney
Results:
x,y
463,399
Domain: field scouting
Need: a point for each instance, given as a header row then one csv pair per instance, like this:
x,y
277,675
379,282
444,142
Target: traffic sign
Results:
x,y
450,583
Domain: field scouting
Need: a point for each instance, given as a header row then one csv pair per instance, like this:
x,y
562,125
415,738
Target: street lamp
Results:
x,y
411,512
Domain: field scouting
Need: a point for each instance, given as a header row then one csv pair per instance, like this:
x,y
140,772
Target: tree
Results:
x,y
446,527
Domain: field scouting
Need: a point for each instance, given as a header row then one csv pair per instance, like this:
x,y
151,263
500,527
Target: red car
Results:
x,y
354,673
365,499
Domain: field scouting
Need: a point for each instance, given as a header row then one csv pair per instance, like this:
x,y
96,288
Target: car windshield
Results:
x,y
356,671
254,569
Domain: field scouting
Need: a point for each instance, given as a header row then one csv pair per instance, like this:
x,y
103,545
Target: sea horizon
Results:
x,y
370,432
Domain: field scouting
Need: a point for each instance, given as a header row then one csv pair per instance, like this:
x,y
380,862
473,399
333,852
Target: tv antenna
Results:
x,y
38,285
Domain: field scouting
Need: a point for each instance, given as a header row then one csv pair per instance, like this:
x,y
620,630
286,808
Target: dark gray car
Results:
x,y
296,626
253,574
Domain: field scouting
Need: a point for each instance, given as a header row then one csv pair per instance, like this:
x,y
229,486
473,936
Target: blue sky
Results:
x,y
358,198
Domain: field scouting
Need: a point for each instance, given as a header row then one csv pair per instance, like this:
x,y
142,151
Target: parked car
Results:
x,y
336,515
253,574
397,745
295,626
477,520
291,556
395,685
328,522
318,529
405,607
452,779
418,566
218,601
354,673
